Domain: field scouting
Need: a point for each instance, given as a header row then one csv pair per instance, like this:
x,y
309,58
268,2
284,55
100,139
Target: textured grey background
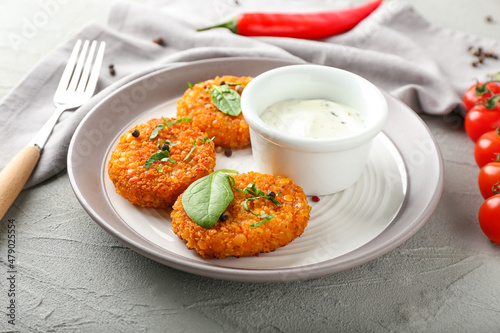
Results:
x,y
74,277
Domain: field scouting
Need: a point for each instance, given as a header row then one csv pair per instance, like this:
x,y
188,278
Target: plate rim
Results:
x,y
257,275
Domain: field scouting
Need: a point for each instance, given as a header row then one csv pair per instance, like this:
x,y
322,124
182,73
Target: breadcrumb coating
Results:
x,y
235,237
228,131
161,184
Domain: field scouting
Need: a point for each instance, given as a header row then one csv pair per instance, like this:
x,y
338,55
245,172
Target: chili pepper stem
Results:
x,y
232,25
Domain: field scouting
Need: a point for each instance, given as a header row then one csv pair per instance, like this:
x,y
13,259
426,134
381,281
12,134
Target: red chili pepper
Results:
x,y
299,25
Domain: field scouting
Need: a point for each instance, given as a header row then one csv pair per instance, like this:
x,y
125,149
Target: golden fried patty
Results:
x,y
235,236
160,185
228,131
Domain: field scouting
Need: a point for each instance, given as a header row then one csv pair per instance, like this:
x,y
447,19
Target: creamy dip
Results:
x,y
313,118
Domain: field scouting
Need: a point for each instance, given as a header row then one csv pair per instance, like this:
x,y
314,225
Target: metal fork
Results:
x,y
77,86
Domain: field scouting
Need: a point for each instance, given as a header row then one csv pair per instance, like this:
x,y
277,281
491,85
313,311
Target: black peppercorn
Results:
x,y
228,152
222,83
271,194
224,216
165,146
135,133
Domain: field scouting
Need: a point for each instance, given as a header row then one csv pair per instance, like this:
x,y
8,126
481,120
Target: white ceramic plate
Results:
x,y
395,196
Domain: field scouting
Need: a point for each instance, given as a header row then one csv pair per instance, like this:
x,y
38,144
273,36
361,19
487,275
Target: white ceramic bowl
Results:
x,y
320,166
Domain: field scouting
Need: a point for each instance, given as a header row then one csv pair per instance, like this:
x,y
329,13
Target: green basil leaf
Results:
x,y
207,198
226,100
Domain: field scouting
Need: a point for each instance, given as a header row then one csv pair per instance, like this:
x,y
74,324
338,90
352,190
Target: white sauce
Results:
x,y
313,118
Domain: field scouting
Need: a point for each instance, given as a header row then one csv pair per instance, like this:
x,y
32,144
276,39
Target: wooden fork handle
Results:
x,y
14,176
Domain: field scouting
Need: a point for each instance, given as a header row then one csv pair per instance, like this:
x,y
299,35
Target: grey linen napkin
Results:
x,y
426,67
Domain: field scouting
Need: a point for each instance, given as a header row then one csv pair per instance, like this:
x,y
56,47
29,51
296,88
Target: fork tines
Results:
x,y
82,70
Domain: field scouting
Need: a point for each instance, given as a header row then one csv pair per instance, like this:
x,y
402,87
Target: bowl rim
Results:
x,y
312,144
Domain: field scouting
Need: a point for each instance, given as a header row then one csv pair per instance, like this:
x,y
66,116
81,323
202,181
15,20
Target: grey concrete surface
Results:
x,y
74,277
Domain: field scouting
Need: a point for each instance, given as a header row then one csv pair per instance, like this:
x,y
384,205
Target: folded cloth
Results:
x,y
425,66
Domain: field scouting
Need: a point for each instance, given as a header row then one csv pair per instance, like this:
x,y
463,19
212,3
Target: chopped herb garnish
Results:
x,y
226,100
252,189
190,85
180,120
206,139
163,156
159,169
266,217
168,159
203,140
168,123
192,149
156,130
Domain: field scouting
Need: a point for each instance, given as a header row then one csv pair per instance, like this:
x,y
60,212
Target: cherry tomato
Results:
x,y
479,92
489,218
480,120
487,148
489,176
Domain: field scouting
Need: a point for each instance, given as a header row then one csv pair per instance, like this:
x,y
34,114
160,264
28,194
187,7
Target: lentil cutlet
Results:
x,y
234,236
191,154
196,103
